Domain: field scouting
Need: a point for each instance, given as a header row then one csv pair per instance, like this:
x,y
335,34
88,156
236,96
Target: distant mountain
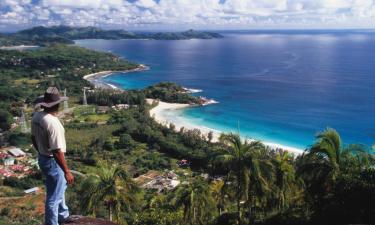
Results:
x,y
190,34
66,34
73,33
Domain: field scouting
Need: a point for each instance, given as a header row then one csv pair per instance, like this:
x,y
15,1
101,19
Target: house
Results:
x,y
19,168
9,161
5,173
120,106
156,180
173,184
162,183
103,109
3,155
147,177
205,176
183,163
16,152
171,175
32,190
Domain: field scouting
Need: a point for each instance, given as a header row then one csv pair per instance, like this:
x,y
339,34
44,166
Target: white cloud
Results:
x,y
145,3
86,4
187,13
336,4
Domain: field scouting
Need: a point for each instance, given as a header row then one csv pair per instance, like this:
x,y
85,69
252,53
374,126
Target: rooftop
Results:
x,y
14,151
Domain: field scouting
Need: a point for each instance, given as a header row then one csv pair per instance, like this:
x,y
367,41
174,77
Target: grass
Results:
x,y
27,81
89,114
77,141
97,118
6,191
26,210
83,110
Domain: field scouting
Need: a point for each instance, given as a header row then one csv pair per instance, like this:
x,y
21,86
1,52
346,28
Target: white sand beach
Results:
x,y
18,47
165,114
97,75
94,78
161,114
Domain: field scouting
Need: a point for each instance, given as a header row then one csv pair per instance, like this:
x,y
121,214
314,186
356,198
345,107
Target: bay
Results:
x,y
280,86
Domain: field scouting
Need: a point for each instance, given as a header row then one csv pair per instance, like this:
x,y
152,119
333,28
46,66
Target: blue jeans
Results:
x,y
55,207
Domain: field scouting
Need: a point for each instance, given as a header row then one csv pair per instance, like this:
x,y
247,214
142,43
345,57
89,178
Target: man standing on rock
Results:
x,y
48,137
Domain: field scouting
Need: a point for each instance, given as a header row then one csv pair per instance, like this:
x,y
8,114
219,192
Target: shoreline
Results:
x,y
159,111
18,47
160,114
95,78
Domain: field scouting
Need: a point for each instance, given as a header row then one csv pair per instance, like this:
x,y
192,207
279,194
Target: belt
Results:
x,y
46,156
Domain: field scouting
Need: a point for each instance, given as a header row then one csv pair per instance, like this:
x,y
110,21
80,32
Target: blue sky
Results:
x,y
184,14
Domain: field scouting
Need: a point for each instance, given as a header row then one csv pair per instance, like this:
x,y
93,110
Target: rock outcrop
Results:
x,y
91,221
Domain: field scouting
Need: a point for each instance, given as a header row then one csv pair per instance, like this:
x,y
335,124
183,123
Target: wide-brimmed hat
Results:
x,y
50,98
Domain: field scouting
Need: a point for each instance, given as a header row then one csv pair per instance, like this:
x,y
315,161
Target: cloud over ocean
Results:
x,y
182,14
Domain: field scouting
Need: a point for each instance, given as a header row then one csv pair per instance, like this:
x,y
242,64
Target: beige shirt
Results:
x,y
49,133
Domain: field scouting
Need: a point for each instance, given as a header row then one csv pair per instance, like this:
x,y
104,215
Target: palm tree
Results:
x,y
261,177
110,185
319,166
286,181
329,146
157,201
359,155
197,202
241,160
327,158
217,189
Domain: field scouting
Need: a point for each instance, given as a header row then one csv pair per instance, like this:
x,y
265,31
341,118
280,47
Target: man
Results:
x,y
48,137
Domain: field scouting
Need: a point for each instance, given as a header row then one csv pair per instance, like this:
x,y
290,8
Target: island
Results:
x,y
43,36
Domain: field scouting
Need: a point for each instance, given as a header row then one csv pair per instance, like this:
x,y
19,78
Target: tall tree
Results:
x,y
240,158
330,172
319,166
286,181
329,146
327,157
261,176
217,188
197,202
111,186
6,120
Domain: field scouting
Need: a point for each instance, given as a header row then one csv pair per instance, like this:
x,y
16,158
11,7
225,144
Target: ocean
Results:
x,y
276,86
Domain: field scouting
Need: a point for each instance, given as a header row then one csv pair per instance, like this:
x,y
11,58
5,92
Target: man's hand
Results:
x,y
69,177
60,159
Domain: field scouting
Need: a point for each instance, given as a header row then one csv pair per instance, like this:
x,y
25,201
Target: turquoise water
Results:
x,y
281,87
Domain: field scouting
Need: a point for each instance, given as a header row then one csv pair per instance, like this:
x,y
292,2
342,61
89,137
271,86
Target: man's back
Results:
x,y
48,132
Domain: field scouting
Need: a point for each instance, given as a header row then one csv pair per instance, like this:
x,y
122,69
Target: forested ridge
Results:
x,y
44,36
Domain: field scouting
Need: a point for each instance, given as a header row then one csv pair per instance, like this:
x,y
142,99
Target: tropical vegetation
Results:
x,y
231,181
111,186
